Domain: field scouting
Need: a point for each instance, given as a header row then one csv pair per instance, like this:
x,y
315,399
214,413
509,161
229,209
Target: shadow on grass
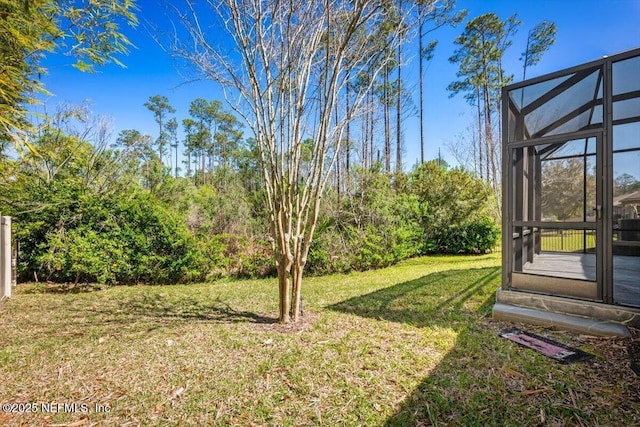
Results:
x,y
127,313
484,380
59,288
188,308
434,299
458,391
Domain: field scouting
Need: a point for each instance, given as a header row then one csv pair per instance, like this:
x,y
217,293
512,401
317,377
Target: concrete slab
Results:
x,y
628,316
581,325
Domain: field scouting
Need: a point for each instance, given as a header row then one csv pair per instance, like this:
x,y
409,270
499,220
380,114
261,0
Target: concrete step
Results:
x,y
628,316
575,324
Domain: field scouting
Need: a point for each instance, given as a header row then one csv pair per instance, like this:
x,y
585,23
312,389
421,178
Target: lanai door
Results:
x,y
557,215
553,194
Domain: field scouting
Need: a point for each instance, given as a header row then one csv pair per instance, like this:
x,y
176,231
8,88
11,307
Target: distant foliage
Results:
x,y
440,211
455,210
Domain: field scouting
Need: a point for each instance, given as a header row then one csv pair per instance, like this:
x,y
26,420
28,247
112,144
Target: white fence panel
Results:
x,y
5,257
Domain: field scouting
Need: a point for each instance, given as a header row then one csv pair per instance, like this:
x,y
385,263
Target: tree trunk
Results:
x,y
399,105
284,268
160,141
298,268
490,149
480,137
203,159
338,181
348,144
371,133
421,81
365,137
387,130
399,114
338,178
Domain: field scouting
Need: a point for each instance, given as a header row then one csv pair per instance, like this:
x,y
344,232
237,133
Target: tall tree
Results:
x,y
286,61
227,137
89,31
136,151
391,25
481,77
479,56
399,95
172,134
386,105
160,107
206,114
189,126
539,40
432,14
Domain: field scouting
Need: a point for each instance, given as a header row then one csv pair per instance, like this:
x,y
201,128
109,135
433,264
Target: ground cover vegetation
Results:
x,y
412,344
86,211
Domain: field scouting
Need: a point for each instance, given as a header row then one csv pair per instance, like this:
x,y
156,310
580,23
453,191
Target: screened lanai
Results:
x,y
571,183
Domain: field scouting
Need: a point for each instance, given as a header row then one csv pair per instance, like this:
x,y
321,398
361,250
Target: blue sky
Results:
x,y
587,30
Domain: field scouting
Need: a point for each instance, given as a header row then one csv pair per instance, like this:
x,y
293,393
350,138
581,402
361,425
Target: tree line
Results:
x,y
212,137
376,134
479,54
86,210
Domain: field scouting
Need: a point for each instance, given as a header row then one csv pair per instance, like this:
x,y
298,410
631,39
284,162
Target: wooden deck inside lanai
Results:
x,y
626,272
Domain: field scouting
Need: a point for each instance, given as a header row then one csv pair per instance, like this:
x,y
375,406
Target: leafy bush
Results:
x,y
373,228
475,237
447,196
372,251
454,210
82,255
119,239
256,260
239,256
329,252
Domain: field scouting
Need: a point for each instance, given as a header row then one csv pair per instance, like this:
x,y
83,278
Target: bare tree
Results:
x,y
283,66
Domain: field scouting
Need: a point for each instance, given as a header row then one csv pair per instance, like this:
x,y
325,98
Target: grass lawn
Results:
x,y
410,345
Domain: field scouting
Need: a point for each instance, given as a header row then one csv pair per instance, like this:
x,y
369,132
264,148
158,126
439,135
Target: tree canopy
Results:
x,y
87,30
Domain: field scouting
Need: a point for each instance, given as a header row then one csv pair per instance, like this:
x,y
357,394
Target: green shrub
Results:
x,y
114,239
373,252
240,256
474,237
329,252
257,261
447,197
